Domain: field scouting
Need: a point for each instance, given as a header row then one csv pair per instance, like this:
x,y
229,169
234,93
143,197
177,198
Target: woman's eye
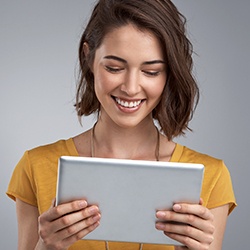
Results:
x,y
151,73
113,69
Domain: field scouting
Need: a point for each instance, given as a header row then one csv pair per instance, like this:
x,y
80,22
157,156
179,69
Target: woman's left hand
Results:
x,y
189,224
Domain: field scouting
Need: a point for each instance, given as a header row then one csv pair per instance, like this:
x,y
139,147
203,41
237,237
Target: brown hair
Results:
x,y
161,17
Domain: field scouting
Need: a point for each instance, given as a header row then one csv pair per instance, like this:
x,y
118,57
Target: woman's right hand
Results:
x,y
63,225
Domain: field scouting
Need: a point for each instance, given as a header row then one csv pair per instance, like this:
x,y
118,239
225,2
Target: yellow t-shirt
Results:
x,y
34,182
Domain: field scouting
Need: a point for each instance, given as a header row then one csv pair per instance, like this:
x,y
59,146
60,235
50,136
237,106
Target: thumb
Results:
x,y
201,201
53,202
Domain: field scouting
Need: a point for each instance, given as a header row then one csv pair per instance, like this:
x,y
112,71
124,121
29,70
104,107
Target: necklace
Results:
x,y
157,150
92,146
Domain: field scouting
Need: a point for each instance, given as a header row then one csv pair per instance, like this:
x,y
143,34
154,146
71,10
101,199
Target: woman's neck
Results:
x,y
112,141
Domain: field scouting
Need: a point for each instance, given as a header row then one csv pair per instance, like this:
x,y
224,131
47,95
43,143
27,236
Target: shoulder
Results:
x,y
213,166
192,156
51,152
216,172
217,188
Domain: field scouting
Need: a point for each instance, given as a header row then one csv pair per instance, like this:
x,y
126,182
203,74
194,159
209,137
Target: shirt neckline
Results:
x,y
174,158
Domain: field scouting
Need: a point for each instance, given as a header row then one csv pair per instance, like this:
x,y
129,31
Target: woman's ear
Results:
x,y
86,48
86,53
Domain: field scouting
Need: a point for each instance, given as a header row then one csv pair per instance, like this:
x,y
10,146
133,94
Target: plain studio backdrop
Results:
x,y
38,62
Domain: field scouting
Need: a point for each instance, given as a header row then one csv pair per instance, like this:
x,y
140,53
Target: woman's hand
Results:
x,y
63,225
189,224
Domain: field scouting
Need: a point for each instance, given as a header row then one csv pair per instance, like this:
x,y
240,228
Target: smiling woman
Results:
x,y
135,69
124,75
160,21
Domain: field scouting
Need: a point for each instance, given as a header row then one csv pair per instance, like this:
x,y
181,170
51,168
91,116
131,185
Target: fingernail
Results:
x,y
160,214
82,204
160,226
96,217
177,207
92,209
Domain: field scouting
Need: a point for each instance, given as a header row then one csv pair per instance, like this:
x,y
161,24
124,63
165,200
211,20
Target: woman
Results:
x,y
135,69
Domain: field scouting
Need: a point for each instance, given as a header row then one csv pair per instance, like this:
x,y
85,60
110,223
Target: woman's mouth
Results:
x,y
127,104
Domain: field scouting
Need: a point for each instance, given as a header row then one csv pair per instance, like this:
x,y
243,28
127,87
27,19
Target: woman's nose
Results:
x,y
131,85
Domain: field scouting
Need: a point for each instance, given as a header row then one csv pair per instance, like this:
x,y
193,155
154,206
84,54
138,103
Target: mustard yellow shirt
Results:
x,y
34,182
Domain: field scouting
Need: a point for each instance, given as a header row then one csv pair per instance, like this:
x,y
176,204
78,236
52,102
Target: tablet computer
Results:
x,y
128,193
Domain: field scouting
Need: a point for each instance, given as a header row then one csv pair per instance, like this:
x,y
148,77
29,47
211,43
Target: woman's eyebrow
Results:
x,y
124,61
115,58
154,62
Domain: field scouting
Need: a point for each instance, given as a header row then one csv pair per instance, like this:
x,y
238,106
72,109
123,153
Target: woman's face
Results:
x,y
129,75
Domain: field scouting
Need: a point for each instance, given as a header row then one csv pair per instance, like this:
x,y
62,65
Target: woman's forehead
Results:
x,y
129,38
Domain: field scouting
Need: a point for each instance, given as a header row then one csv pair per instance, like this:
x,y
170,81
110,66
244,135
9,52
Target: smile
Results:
x,y
128,104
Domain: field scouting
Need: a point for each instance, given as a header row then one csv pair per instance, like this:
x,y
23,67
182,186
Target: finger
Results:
x,y
192,212
180,248
194,209
72,218
79,235
59,242
186,231
201,201
188,243
53,203
58,211
185,219
69,225
78,226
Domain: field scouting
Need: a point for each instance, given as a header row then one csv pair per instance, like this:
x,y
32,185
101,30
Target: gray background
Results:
x,y
38,59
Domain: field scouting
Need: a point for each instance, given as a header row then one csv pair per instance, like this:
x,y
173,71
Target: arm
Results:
x,y
27,219
203,228
57,228
220,220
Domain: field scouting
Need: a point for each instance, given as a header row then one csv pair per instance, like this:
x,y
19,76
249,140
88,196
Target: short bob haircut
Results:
x,y
160,17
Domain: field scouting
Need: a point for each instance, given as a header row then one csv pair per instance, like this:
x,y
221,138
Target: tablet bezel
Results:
x,y
128,192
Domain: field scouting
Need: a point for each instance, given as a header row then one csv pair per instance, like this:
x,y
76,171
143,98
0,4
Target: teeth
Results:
x,y
127,104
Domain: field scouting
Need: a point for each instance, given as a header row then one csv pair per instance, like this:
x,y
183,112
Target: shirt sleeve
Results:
x,y
222,192
22,185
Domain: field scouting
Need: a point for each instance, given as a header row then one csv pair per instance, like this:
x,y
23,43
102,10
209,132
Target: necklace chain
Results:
x,y
157,150
92,146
